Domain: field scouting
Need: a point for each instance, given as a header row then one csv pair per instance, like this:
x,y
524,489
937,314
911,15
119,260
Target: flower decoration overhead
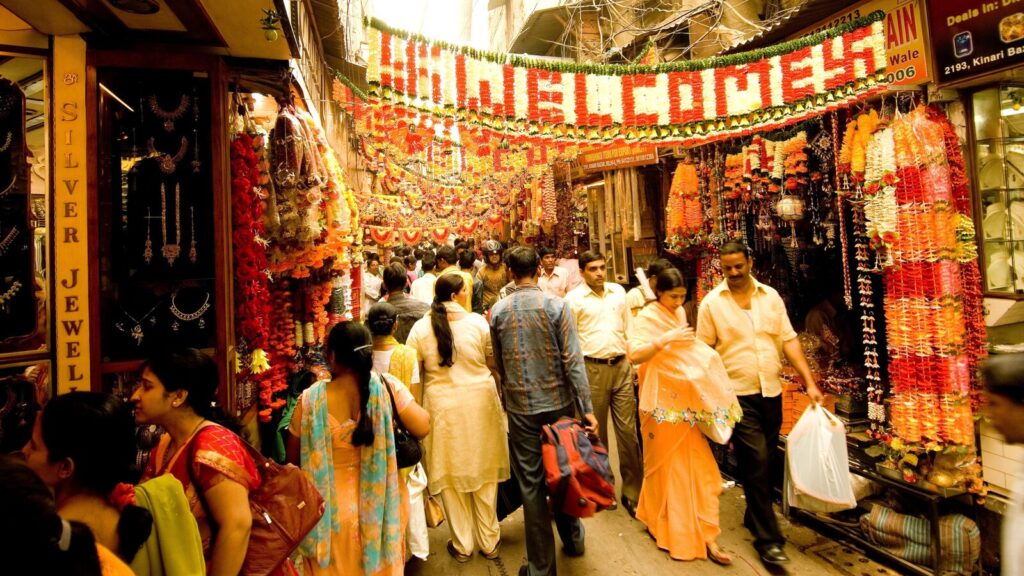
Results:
x,y
672,103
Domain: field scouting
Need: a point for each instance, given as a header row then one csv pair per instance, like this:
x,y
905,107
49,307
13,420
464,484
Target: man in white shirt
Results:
x,y
745,321
1004,389
371,284
552,279
423,287
602,322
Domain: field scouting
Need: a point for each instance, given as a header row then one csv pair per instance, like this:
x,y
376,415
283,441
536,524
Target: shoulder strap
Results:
x,y
396,420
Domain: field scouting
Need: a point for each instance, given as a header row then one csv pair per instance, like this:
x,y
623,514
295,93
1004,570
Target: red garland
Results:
x,y
252,298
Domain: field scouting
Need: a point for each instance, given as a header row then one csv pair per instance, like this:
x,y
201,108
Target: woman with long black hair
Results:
x,y
34,539
466,453
342,435
83,448
177,391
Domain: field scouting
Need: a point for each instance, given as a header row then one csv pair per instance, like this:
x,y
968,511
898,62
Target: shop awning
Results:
x,y
790,21
541,32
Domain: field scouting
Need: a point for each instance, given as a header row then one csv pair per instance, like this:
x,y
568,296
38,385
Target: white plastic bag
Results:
x,y
817,465
419,540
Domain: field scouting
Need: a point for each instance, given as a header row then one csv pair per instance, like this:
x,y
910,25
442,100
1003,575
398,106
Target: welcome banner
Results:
x,y
671,103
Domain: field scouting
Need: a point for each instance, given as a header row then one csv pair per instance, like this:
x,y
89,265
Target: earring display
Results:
x,y
190,316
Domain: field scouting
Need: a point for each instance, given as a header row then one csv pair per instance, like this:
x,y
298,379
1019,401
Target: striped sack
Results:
x,y
909,538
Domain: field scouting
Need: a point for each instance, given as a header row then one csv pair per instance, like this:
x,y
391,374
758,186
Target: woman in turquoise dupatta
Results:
x,y
342,436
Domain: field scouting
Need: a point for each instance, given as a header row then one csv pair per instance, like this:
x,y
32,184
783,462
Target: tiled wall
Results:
x,y
1003,463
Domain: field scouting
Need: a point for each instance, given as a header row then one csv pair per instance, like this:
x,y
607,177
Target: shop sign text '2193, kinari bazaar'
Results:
x,y
972,37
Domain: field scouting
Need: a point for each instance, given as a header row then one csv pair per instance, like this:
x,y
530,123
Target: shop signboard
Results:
x,y
618,157
71,258
972,37
906,46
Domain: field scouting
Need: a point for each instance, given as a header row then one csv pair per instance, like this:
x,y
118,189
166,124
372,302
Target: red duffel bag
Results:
x,y
580,480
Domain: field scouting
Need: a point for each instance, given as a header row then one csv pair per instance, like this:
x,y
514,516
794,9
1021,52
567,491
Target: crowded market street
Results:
x,y
511,287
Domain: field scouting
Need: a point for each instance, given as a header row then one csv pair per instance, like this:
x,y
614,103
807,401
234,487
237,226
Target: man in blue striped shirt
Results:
x,y
543,378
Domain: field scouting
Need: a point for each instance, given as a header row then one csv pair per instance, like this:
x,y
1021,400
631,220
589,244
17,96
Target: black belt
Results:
x,y
606,361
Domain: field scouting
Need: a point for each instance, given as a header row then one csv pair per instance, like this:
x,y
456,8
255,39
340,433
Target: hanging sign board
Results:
x,y
906,45
618,157
972,37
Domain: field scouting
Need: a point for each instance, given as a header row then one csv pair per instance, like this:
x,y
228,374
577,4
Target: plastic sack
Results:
x,y
416,535
817,466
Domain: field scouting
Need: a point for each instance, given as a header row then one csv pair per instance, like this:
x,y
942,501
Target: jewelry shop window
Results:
x,y
24,198
155,212
999,177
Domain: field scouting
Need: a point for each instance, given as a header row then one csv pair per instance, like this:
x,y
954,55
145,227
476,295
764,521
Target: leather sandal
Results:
x,y
459,556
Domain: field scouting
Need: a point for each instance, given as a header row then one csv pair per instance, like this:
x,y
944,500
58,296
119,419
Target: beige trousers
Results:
x,y
472,517
611,390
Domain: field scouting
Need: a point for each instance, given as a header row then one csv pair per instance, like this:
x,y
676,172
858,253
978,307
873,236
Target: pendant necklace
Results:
x,y
7,142
168,163
7,104
170,252
147,254
193,254
190,316
136,331
169,117
6,297
8,240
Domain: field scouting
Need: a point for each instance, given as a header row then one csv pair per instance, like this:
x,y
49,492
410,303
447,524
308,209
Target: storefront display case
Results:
x,y
24,202
160,186
998,131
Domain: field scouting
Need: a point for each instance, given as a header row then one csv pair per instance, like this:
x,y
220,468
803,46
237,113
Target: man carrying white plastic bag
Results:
x,y
817,465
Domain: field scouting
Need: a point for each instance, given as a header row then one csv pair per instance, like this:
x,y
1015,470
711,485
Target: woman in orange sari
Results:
x,y
176,392
683,389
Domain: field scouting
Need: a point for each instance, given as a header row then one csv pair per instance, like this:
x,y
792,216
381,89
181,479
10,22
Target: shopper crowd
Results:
x,y
470,357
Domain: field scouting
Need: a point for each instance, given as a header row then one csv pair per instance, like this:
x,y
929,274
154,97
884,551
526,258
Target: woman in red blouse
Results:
x,y
176,391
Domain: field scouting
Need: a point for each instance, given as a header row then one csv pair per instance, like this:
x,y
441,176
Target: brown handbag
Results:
x,y
285,508
433,511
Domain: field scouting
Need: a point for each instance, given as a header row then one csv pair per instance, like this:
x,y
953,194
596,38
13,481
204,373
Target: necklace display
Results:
x,y
7,142
136,330
7,296
170,252
9,187
189,317
7,104
169,117
193,253
8,240
147,253
168,164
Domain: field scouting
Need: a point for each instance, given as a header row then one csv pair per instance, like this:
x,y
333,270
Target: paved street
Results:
x,y
619,545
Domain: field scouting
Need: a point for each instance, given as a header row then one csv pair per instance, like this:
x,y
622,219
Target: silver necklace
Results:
x,y
136,331
7,142
169,117
168,164
8,240
189,317
9,187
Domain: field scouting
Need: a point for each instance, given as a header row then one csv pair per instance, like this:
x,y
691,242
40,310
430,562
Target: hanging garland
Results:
x,y
252,299
673,103
684,223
